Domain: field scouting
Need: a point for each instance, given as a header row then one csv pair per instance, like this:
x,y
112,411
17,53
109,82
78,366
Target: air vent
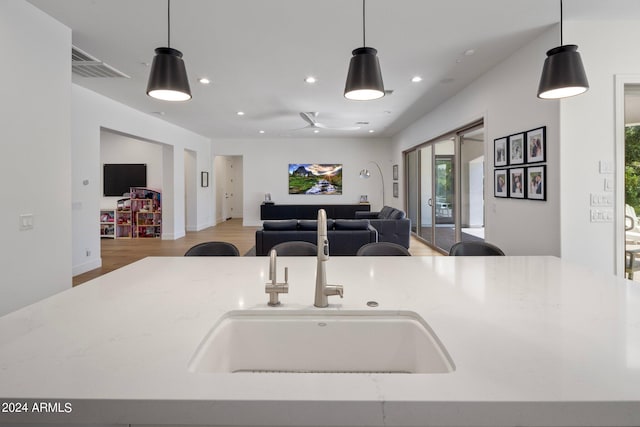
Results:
x,y
85,65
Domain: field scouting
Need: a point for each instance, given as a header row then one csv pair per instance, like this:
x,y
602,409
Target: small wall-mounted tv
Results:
x,y
119,177
315,179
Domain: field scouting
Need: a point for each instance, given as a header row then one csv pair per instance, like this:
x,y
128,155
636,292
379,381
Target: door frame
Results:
x,y
621,80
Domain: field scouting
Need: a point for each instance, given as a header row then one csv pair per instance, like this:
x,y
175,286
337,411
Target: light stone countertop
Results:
x,y
535,341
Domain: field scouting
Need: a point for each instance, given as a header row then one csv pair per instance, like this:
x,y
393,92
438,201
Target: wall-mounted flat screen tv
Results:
x,y
315,179
119,177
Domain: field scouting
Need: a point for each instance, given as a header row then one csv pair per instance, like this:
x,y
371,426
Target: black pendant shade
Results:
x,y
562,74
168,77
364,79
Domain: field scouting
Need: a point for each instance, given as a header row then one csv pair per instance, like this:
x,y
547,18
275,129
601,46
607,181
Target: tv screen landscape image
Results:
x,y
315,179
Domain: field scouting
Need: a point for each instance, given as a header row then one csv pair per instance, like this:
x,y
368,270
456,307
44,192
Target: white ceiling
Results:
x,y
258,52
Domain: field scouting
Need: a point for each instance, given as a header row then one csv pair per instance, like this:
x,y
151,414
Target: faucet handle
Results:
x,y
334,290
275,289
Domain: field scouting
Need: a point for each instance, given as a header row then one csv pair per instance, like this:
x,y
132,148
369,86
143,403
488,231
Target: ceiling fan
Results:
x,y
310,118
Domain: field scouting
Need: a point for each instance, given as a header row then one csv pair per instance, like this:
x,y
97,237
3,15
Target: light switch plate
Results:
x,y
26,222
606,166
602,215
601,199
608,184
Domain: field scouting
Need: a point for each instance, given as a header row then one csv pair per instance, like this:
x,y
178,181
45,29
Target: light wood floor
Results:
x,y
120,252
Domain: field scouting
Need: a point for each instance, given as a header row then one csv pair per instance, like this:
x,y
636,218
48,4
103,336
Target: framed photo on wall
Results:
x,y
500,152
516,149
204,179
395,172
536,145
395,189
537,183
516,183
500,183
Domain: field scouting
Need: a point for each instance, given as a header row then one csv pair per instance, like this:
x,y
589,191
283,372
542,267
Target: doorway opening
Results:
x,y
631,180
229,187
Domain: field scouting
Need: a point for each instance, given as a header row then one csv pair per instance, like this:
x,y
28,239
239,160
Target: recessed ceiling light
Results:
x,y
371,131
204,80
469,52
310,79
260,131
416,79
240,113
316,131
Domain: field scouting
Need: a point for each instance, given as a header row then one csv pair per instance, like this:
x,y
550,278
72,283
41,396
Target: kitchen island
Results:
x,y
534,341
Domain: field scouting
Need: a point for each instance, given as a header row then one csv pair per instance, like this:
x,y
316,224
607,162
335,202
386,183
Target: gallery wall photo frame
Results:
x,y
204,179
396,190
537,182
537,145
517,187
395,172
516,149
500,183
500,152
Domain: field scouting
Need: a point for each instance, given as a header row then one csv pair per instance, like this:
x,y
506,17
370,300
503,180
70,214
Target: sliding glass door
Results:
x,y
445,188
444,206
426,194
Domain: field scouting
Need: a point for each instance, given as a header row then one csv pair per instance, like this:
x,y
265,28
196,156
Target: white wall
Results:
x,y
506,98
92,112
191,184
35,155
265,163
588,130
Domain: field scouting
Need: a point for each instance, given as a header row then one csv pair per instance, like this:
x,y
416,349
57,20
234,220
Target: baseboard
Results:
x,y
172,236
86,266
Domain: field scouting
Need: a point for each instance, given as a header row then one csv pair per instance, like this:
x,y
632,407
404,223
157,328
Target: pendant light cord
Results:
x,y
561,42
364,43
168,23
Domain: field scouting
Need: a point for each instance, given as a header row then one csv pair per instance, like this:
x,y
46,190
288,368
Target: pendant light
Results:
x,y
364,79
563,73
168,79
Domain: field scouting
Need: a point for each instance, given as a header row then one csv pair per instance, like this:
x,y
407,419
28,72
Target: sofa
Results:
x,y
345,236
391,224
